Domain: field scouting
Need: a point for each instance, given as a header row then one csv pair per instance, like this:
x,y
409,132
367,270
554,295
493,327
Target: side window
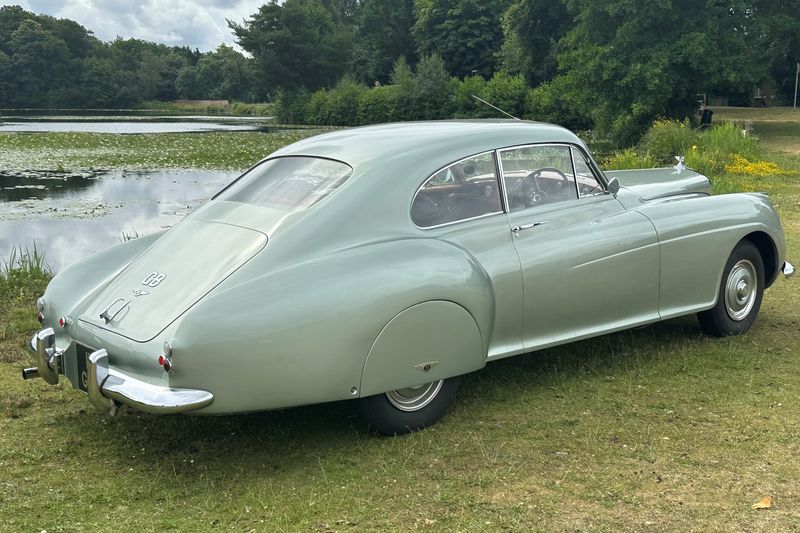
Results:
x,y
587,181
538,175
464,190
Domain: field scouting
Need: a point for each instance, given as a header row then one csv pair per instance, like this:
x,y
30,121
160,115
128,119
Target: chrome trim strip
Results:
x,y
107,385
458,221
501,177
787,269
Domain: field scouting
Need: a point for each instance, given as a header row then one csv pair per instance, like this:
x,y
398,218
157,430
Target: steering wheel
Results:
x,y
534,192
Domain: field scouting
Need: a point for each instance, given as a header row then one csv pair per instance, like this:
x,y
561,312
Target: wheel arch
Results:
x,y
769,254
431,340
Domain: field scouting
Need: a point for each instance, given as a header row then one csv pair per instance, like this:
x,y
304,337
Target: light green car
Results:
x,y
381,263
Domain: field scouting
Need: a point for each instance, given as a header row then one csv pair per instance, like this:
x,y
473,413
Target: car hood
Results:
x,y
169,277
654,183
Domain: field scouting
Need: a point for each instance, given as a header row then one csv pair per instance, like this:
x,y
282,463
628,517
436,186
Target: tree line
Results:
x,y
57,63
613,64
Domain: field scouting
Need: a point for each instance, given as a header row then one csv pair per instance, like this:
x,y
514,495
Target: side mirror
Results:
x,y
613,186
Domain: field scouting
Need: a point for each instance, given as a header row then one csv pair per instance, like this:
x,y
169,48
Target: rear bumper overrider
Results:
x,y
109,387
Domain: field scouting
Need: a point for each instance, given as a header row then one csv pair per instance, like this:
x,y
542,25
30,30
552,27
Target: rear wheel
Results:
x,y
740,293
409,409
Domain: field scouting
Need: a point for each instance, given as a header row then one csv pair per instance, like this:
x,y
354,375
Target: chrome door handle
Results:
x,y
517,229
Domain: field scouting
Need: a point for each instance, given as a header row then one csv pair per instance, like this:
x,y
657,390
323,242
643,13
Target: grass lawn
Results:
x,y
660,428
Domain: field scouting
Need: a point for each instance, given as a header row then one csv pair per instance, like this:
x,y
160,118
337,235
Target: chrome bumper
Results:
x,y
788,269
108,387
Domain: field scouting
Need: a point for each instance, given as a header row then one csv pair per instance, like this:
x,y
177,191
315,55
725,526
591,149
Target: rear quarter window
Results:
x,y
462,191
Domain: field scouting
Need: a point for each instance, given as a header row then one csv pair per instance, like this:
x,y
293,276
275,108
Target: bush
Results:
x,y
464,105
341,105
375,105
718,147
507,92
262,110
667,138
290,107
317,107
629,158
548,103
728,138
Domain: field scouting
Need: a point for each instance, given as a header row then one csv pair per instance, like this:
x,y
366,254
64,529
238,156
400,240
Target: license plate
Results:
x,y
83,374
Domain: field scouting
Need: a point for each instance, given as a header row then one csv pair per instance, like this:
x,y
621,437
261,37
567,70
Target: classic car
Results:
x,y
381,263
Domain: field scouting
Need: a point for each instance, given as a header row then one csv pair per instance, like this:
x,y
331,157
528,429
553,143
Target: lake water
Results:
x,y
129,124
70,217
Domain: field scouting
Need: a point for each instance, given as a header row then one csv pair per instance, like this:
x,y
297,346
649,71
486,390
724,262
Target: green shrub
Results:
x,y
507,92
629,158
290,106
341,105
728,138
667,138
375,105
317,107
464,105
548,103
717,147
261,110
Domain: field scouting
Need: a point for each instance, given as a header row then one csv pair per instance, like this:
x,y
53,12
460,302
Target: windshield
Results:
x,y
288,183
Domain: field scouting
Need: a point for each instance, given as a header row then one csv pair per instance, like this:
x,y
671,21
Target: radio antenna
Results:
x,y
481,100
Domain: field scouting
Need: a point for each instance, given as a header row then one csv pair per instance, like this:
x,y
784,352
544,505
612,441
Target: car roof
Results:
x,y
437,143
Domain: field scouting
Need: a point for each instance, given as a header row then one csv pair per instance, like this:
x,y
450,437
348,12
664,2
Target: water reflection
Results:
x,y
70,219
39,187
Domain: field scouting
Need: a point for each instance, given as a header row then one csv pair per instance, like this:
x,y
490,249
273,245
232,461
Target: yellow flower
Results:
x,y
694,147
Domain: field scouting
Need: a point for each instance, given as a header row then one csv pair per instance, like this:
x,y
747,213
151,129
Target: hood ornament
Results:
x,y
680,167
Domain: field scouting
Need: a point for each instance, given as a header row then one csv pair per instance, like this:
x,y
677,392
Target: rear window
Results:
x,y
288,183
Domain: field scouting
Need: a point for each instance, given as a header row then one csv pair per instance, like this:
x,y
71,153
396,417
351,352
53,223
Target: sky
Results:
x,y
193,23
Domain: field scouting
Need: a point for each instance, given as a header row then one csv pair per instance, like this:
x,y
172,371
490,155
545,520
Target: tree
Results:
x,y
10,19
40,64
777,30
6,85
384,35
99,88
432,90
628,62
405,87
295,44
466,33
532,30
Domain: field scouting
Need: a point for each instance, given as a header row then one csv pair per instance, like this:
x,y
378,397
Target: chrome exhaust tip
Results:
x,y
30,373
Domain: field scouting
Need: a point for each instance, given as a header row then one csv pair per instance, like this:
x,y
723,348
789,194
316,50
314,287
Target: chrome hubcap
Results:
x,y
414,398
741,290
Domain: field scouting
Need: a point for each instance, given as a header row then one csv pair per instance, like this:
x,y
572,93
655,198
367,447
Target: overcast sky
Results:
x,y
193,23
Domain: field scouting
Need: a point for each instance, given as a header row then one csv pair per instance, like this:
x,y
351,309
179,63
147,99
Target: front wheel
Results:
x,y
740,293
410,409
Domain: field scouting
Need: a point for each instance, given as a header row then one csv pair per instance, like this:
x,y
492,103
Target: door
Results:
x,y
462,205
588,265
